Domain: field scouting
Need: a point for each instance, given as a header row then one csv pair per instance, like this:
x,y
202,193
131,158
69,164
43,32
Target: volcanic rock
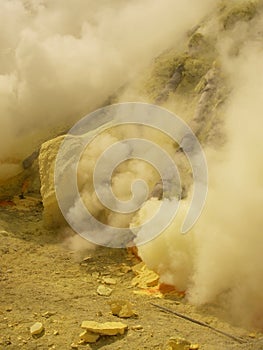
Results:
x,y
121,308
89,337
177,344
37,328
104,291
107,328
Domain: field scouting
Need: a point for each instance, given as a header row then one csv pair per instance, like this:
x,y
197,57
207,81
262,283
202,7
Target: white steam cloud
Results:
x,y
230,232
221,259
61,59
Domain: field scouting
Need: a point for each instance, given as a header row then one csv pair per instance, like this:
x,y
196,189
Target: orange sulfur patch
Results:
x,y
134,251
167,288
25,186
6,203
150,292
160,291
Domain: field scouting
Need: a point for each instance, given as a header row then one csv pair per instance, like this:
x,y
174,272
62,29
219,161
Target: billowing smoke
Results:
x,y
230,231
220,260
61,59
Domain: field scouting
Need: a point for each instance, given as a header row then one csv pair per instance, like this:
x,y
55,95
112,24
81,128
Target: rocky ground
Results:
x,y
41,281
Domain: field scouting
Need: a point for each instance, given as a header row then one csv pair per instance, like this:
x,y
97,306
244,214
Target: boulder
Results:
x,y
121,308
107,328
37,328
47,157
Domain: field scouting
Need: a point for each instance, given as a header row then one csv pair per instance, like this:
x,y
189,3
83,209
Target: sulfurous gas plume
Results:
x,y
61,59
